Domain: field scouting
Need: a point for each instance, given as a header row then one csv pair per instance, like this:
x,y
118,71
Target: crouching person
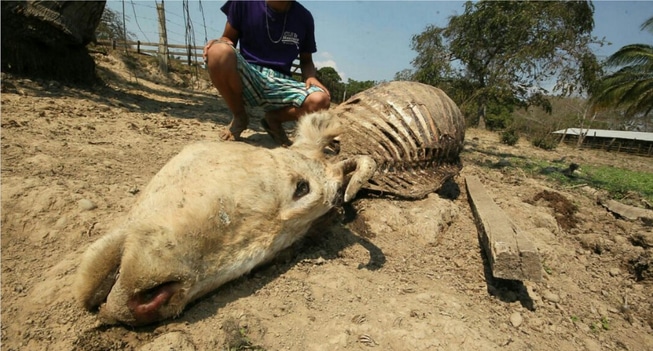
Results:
x,y
271,35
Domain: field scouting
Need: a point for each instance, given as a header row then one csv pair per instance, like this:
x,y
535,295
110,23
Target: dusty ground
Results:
x,y
401,276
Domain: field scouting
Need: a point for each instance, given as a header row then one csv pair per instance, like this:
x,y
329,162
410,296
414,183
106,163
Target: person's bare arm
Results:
x,y
230,34
309,72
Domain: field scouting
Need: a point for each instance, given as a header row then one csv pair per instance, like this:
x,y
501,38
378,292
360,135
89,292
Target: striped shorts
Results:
x,y
271,90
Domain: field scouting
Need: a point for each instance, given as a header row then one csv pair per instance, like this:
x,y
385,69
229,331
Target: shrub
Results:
x,y
509,137
546,142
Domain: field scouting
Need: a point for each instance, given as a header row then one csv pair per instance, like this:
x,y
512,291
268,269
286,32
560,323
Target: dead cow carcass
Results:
x,y
212,213
413,131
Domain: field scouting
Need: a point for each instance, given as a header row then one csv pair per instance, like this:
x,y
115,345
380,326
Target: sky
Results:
x,y
368,40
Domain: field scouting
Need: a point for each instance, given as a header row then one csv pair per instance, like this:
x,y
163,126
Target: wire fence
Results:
x,y
185,21
186,28
186,54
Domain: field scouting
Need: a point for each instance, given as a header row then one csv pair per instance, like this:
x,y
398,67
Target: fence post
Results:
x,y
138,46
113,44
163,38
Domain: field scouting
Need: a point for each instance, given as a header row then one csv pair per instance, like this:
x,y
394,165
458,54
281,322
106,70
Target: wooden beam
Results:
x,y
631,213
510,253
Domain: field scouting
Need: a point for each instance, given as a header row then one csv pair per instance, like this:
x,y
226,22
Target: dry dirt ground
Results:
x,y
400,275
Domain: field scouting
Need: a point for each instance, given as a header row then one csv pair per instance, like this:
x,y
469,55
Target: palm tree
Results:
x,y
631,87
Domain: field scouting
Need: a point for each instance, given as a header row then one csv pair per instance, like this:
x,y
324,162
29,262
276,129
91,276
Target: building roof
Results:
x,y
604,133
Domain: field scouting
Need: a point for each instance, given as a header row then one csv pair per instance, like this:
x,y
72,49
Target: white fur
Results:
x,y
214,212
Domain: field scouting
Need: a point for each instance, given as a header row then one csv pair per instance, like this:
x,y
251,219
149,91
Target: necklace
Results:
x,y
267,26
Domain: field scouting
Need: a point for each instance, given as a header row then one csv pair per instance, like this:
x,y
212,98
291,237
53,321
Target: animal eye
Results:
x,y
301,189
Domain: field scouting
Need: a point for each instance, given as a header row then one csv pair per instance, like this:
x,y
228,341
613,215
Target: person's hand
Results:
x,y
213,41
313,81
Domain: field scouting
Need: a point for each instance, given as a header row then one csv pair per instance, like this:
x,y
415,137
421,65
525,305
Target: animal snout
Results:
x,y
145,306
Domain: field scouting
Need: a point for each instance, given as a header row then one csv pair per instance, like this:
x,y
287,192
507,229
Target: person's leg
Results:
x,y
315,101
223,71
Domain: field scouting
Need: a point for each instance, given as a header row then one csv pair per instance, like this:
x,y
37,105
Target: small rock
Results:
x,y
549,296
643,239
583,327
516,319
620,240
614,271
591,345
171,341
535,322
86,205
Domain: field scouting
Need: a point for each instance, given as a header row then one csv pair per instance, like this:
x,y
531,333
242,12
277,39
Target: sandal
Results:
x,y
279,137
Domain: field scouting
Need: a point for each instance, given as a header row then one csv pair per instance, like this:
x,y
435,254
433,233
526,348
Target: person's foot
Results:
x,y
235,128
276,133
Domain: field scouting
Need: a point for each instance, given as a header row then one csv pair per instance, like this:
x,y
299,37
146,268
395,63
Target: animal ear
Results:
x,y
98,269
316,131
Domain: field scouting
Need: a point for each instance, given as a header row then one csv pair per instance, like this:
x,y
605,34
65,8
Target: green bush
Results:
x,y
509,137
546,142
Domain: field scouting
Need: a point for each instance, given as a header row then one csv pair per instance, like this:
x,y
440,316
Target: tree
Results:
x,y
332,81
47,39
631,87
341,91
404,75
112,27
502,52
354,86
329,77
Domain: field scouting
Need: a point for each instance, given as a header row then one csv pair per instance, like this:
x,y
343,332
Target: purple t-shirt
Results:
x,y
276,41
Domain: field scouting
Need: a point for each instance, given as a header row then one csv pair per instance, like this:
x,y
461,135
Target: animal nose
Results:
x,y
144,306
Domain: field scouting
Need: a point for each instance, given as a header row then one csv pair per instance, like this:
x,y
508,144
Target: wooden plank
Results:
x,y
510,253
627,212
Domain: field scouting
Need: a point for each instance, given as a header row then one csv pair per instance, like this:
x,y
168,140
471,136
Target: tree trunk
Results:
x,y
583,119
47,39
481,116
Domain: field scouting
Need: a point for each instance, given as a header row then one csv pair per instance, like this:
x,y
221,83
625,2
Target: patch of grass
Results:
x,y
619,182
530,166
547,269
605,323
594,327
